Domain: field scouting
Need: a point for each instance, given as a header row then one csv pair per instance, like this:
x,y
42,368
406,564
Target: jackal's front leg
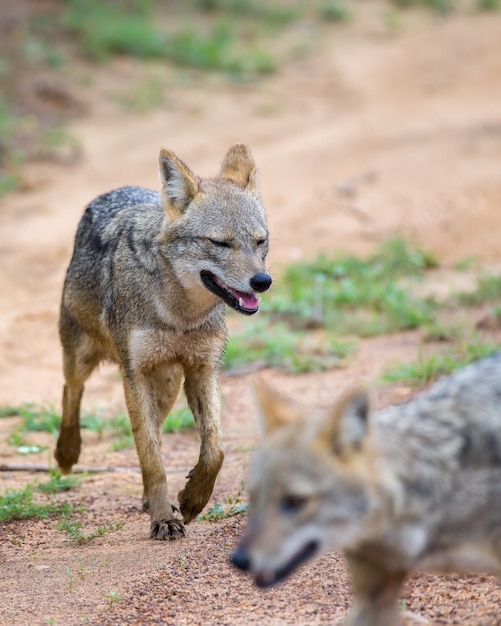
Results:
x,y
143,412
376,593
202,392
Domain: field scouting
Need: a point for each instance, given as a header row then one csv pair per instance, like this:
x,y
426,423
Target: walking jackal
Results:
x,y
147,287
411,486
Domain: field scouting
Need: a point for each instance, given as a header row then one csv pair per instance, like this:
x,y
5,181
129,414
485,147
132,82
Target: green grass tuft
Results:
x,y
439,6
488,290
218,511
106,29
47,419
336,10
73,529
274,344
217,50
113,597
426,370
267,12
438,332
58,483
349,295
336,296
178,420
489,5
121,431
20,504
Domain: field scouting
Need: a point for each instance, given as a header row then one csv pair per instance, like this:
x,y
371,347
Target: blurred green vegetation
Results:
x,y
318,311
425,370
447,6
22,504
43,42
268,343
357,296
335,297
117,426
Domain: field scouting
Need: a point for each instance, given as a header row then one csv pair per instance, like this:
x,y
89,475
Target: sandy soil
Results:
x,y
372,136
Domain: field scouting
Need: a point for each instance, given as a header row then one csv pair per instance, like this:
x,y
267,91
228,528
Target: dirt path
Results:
x,y
373,136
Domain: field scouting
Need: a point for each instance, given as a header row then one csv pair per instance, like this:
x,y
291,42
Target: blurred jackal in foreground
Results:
x,y
411,486
147,287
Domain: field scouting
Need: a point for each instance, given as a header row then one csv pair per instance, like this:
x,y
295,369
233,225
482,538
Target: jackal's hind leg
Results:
x,y
79,360
202,392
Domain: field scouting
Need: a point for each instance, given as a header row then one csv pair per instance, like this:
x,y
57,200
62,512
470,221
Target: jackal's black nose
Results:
x,y
260,282
240,559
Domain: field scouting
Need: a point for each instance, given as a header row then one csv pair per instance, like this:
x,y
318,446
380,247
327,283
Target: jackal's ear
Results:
x,y
275,411
345,427
239,167
179,184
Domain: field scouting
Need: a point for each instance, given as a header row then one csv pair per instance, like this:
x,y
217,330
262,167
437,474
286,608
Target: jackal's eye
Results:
x,y
219,243
293,503
260,242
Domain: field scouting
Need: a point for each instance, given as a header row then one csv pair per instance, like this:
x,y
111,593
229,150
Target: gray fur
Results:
x,y
146,287
414,486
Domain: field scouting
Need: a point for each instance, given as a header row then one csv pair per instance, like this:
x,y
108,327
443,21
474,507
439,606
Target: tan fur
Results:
x,y
147,287
411,487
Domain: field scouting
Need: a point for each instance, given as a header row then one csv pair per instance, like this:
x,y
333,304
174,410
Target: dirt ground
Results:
x,y
373,135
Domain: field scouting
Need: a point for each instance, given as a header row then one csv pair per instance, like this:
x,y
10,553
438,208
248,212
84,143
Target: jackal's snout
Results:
x,y
240,558
260,282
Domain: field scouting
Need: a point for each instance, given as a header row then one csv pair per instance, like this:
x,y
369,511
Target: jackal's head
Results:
x,y
215,234
309,486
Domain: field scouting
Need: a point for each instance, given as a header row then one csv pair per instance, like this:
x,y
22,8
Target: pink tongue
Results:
x,y
246,300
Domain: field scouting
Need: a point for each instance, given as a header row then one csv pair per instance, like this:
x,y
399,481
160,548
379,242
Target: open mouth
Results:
x,y
241,301
271,577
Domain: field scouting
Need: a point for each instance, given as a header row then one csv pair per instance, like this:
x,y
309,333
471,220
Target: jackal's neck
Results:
x,y
186,308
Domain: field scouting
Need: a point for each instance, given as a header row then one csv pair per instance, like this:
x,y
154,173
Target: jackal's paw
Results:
x,y
191,505
194,496
167,529
67,450
199,487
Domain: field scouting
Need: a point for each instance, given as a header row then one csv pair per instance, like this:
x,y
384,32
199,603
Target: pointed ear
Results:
x,y
179,184
345,427
276,412
238,166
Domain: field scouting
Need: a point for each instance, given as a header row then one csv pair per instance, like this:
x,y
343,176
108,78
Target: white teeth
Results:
x,y
240,302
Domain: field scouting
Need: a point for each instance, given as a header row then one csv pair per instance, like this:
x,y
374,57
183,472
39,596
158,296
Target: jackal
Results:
x,y
410,487
146,287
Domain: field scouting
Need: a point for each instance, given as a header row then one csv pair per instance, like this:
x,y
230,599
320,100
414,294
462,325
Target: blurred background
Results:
x,y
370,122
367,118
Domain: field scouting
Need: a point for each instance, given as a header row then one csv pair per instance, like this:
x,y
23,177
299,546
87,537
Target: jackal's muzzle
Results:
x,y
242,301
268,577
